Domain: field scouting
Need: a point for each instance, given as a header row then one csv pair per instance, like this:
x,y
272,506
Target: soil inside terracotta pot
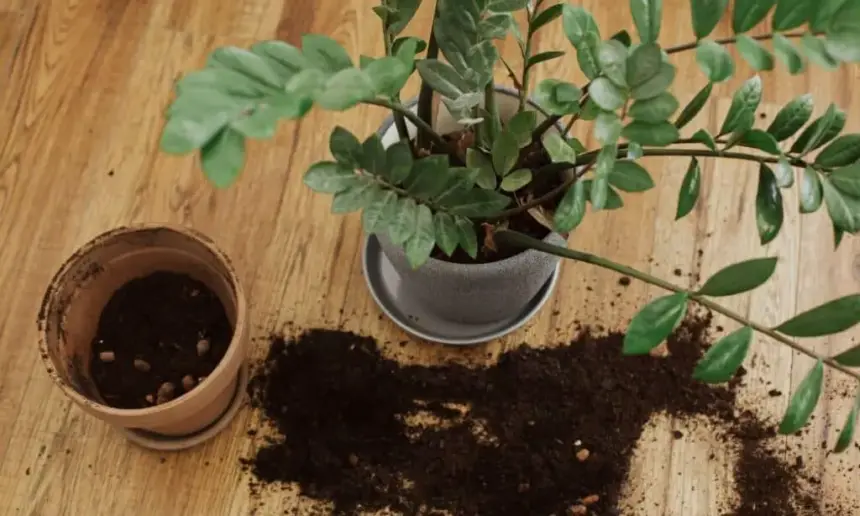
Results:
x,y
532,157
158,337
363,433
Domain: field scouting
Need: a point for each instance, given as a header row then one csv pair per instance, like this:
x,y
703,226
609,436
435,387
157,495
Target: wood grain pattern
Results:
x,y
82,90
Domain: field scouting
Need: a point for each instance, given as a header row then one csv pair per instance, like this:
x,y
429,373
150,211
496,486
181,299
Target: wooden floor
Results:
x,y
82,88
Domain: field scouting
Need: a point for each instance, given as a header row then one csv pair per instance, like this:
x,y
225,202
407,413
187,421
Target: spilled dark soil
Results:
x,y
542,431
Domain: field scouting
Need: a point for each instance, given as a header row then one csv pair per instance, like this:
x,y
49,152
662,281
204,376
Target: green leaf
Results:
x,y
587,55
654,323
396,163
420,245
723,359
475,203
749,13
345,89
792,117
379,213
739,277
428,178
758,57
516,180
600,187
589,110
544,57
844,209
694,107
791,14
810,191
182,135
690,187
447,233
656,85
521,127
647,15
373,156
847,179
578,23
607,95
837,236
629,176
406,48
506,6
486,174
784,173
329,177
842,151
607,128
657,135
468,238
325,52
715,61
442,78
388,76
495,26
457,179
758,139
613,199
788,54
355,197
656,109
622,37
345,147
222,157
847,18
644,64
546,16
832,317
246,63
506,151
706,15
281,57
803,401
768,202
634,151
849,357
558,97
612,56
704,137
402,226
817,53
745,102
559,149
599,192
846,436
821,131
571,209
844,46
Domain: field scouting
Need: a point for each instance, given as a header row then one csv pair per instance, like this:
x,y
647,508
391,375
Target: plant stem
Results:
x,y
732,40
524,241
527,52
491,125
425,97
415,119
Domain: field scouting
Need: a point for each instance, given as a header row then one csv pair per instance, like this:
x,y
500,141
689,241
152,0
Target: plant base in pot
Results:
x,y
145,329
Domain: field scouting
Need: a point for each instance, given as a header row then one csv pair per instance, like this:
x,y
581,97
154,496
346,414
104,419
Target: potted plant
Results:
x,y
497,182
144,327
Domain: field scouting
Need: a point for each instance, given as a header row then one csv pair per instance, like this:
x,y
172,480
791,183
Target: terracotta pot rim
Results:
x,y
50,299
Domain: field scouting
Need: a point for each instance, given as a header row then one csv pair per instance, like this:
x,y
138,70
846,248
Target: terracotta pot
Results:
x,y
82,287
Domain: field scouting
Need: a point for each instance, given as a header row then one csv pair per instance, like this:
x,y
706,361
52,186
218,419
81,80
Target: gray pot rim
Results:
x,y
490,268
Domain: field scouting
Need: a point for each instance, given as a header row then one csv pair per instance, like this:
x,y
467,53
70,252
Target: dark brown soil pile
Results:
x,y
507,439
164,328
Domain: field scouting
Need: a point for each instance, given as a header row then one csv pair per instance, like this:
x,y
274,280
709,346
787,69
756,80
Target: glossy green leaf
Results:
x,y
345,147
629,176
506,151
329,177
647,15
706,15
695,106
821,131
447,233
599,193
622,37
788,54
745,102
521,127
589,110
546,16
559,149
763,141
600,186
838,233
656,85
182,135
613,199
345,89
758,57
468,237
704,137
373,156
428,178
558,97
577,23
282,57
420,245
739,277
784,173
222,157
458,179
815,51
406,49
846,435
402,227
844,209
824,13
846,19
506,6
476,203
844,150
443,78
634,151
654,323
803,401
723,359
768,203
246,63
832,317
587,56
544,57
607,128
689,192
356,197
324,52
607,95
844,46
495,26
486,173
398,162
388,76
847,179
791,14
748,13
516,180
379,213
657,135
792,117
849,357
643,64
715,61
612,56
654,110
810,191
571,209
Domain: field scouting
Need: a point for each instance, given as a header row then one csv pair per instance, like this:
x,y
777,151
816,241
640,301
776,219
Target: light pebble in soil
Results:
x,y
202,347
142,365
188,382
107,356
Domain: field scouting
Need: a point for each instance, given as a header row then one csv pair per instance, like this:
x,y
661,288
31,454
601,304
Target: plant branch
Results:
x,y
552,194
527,52
492,124
425,97
415,119
732,40
399,120
524,241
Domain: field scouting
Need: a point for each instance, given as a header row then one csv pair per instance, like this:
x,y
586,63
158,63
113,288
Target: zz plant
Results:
x,y
431,192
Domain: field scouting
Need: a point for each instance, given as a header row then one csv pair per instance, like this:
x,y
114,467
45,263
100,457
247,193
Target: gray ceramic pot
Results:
x,y
473,293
